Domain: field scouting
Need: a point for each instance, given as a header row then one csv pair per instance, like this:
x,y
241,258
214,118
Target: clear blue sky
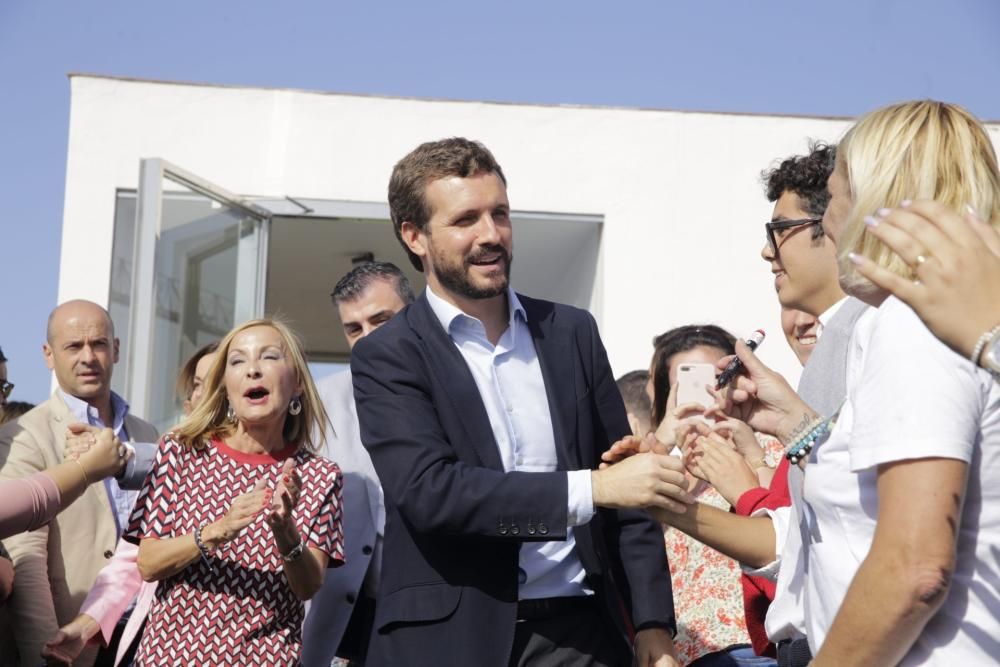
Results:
x,y
773,56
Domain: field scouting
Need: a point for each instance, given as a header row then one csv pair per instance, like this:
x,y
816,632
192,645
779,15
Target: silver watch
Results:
x,y
295,553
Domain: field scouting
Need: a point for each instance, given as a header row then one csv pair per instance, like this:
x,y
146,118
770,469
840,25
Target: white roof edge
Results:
x,y
752,114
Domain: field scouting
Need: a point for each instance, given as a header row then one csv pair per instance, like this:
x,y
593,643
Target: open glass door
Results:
x,y
199,264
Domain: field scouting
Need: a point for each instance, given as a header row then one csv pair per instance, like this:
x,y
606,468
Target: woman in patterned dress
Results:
x,y
708,594
239,519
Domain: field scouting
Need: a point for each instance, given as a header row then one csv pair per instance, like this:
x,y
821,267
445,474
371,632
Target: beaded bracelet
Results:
x,y
202,549
801,447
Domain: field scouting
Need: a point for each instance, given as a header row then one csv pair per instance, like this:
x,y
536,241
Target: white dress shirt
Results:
x,y
827,315
509,378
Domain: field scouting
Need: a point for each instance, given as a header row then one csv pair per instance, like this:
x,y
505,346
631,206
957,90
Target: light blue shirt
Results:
x,y
121,500
509,378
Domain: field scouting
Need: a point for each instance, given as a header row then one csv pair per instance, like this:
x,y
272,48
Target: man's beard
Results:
x,y
455,277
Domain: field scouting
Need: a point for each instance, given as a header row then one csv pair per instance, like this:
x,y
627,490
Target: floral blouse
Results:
x,y
708,595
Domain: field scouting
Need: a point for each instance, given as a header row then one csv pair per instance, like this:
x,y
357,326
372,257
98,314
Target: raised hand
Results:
x,y
624,448
241,514
286,497
715,460
761,398
79,439
955,260
674,416
99,451
744,440
631,445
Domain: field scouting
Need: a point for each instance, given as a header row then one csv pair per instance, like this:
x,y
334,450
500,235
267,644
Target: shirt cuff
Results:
x,y
129,470
579,498
133,475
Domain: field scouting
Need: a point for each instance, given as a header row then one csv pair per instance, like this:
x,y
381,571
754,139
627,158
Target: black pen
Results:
x,y
735,366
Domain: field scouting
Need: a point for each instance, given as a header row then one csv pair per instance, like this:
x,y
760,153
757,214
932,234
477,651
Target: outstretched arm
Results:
x,y
749,540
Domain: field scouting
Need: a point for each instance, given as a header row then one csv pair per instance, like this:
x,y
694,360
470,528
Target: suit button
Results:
x,y
515,529
108,553
350,598
366,550
531,530
543,529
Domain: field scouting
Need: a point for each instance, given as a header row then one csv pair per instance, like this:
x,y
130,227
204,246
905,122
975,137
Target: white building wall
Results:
x,y
680,192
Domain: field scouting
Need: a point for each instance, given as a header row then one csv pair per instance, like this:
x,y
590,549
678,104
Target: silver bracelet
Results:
x,y
295,553
201,548
977,351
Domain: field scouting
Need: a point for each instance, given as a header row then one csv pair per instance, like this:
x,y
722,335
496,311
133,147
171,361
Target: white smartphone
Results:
x,y
692,383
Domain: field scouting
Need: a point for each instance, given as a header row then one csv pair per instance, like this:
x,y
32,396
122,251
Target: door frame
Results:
x,y
149,216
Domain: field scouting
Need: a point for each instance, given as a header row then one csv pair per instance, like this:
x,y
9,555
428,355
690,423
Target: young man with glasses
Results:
x,y
802,259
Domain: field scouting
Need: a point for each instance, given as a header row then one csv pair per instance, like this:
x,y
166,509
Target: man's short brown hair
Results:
x,y
428,162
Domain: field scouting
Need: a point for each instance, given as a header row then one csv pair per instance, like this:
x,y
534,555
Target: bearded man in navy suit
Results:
x,y
485,413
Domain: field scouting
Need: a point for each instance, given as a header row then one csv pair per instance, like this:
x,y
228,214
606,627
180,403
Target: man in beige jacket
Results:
x,y
56,565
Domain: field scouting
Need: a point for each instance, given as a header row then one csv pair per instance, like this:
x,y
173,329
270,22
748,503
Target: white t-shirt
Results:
x,y
913,398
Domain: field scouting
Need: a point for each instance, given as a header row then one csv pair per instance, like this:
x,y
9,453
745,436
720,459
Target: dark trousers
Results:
x,y
354,643
794,653
579,637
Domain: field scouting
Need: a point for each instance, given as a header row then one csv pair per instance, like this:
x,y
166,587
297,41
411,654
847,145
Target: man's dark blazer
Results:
x,y
455,520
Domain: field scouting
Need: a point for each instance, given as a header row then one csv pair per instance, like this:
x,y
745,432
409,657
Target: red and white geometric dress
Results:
x,y
243,613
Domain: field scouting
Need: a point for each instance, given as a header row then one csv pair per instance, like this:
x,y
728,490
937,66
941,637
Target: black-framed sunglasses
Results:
x,y
6,388
783,225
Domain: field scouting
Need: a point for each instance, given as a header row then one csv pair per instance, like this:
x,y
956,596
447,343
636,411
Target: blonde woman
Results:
x,y
239,519
902,524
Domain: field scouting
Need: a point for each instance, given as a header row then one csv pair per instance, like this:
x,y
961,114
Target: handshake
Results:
x,y
98,451
638,473
723,449
718,445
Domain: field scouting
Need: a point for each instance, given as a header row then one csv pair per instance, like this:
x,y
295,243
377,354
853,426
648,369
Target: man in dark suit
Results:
x,y
485,413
